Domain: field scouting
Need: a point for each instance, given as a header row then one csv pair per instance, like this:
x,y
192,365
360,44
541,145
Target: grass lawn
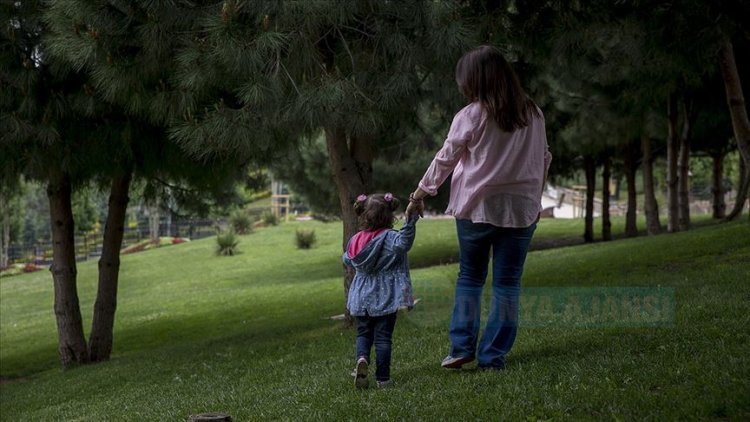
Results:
x,y
248,335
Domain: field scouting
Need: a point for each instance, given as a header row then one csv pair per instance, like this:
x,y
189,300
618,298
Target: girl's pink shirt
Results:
x,y
360,239
498,176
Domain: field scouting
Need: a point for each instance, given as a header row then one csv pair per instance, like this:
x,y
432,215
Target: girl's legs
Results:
x,y
474,241
384,326
509,248
365,337
378,331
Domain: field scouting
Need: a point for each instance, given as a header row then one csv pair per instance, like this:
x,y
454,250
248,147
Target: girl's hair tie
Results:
x,y
362,198
388,197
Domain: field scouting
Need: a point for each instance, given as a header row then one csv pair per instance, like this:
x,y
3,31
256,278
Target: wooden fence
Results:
x,y
89,246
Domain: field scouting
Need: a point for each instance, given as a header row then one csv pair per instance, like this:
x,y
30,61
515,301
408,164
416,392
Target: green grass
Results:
x,y
248,335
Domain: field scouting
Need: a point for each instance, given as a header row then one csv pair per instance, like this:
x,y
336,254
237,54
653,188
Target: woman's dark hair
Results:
x,y
376,211
484,75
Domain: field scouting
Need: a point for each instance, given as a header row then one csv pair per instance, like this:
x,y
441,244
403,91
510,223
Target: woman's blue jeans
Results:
x,y
377,330
508,247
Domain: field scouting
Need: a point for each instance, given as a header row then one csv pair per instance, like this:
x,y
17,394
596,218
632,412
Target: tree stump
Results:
x,y
210,417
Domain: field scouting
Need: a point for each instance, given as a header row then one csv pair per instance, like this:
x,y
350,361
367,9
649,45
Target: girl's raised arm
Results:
x,y
405,236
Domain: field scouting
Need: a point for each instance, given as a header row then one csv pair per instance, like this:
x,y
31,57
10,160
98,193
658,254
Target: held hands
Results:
x,y
415,207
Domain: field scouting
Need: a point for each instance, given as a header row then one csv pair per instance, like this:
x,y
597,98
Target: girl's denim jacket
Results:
x,y
382,283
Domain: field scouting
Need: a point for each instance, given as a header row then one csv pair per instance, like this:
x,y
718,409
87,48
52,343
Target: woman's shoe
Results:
x,y
491,368
385,384
455,362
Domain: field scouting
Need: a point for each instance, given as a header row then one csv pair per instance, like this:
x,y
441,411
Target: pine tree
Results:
x,y
636,55
123,86
42,135
696,36
304,168
356,72
58,132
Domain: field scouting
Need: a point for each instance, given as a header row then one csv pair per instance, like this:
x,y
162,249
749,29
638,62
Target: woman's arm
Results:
x,y
461,131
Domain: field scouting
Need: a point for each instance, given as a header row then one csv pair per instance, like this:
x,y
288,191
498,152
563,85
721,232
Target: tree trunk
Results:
x,y
589,167
683,168
5,239
71,342
673,143
153,221
631,225
743,185
740,122
351,168
653,225
606,223
719,206
100,339
168,223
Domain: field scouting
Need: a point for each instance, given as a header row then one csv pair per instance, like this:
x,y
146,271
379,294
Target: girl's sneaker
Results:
x,y
360,376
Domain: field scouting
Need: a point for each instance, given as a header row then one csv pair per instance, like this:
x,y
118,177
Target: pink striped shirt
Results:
x,y
498,176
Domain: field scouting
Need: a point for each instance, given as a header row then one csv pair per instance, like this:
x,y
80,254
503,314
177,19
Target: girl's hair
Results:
x,y
484,75
376,211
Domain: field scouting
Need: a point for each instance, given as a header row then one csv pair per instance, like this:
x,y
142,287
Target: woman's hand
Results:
x,y
416,204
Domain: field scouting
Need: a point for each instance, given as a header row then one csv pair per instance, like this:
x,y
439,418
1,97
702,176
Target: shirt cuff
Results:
x,y
430,191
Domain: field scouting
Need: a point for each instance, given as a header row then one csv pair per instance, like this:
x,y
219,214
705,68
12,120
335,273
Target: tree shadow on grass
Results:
x,y
189,335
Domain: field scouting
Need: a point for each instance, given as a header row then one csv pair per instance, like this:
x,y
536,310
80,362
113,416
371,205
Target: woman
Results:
x,y
497,151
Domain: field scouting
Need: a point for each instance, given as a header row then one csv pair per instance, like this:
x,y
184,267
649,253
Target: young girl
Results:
x,y
381,284
497,151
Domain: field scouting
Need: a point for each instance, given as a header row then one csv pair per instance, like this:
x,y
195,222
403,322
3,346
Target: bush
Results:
x,y
241,222
269,218
227,242
305,239
30,268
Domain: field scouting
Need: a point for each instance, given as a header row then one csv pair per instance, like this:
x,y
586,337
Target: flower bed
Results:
x,y
15,269
147,244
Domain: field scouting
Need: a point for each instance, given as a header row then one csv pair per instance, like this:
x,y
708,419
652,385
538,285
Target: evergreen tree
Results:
x,y
355,71
635,56
59,132
42,134
126,52
304,168
694,36
55,128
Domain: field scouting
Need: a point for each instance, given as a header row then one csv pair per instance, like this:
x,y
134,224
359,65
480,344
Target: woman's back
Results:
x,y
499,179
498,176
